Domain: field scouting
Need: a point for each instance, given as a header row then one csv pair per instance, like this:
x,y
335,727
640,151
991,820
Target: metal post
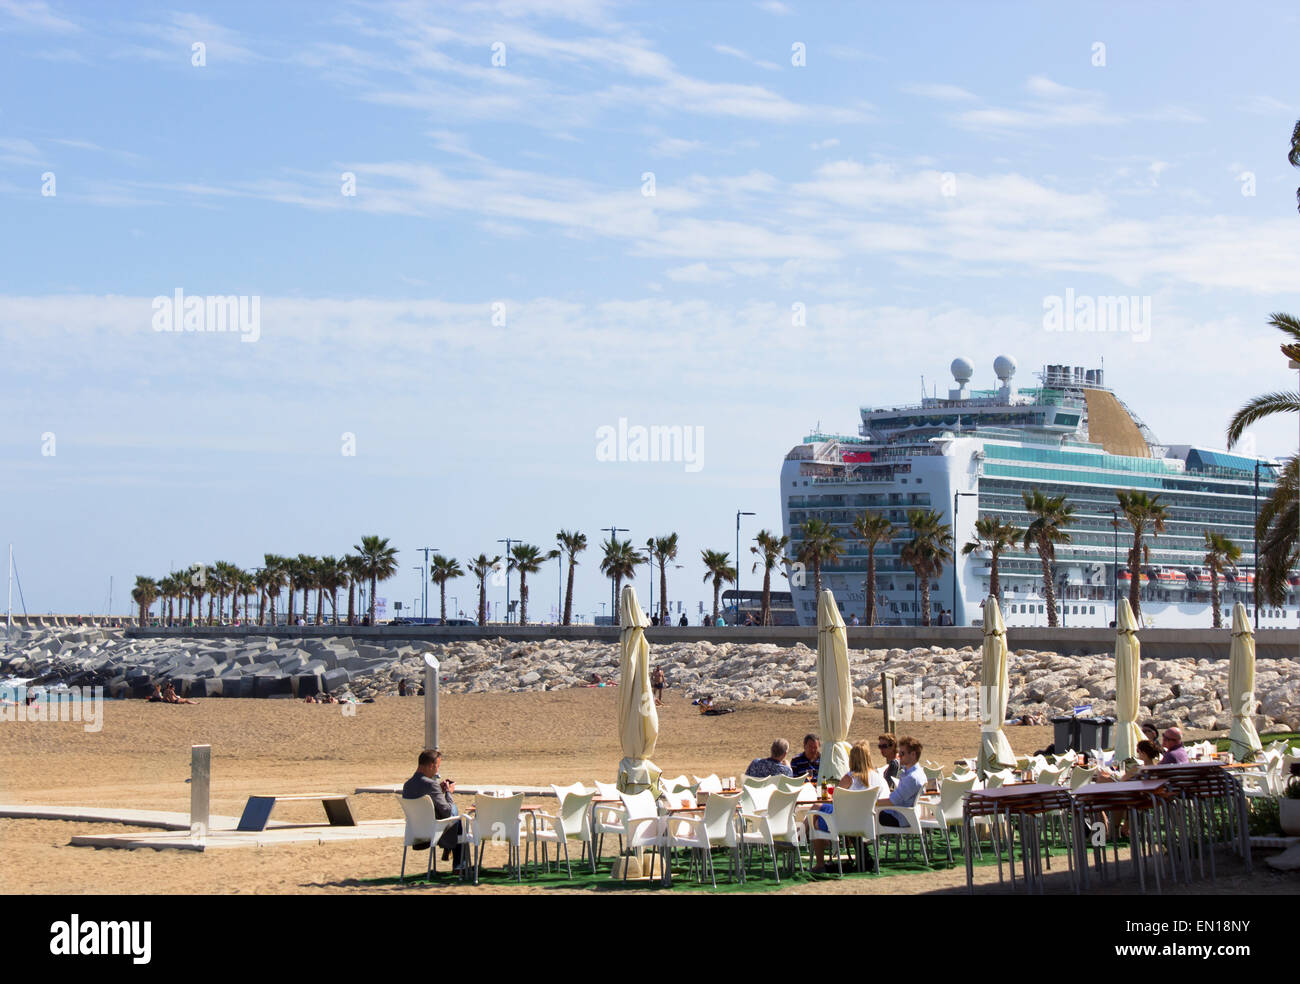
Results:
x,y
200,789
955,500
887,701
430,701
613,532
738,515
1114,570
507,541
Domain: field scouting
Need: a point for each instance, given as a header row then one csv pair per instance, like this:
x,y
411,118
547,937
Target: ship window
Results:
x,y
1092,609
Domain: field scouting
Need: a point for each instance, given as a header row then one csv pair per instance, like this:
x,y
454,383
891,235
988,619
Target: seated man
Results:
x,y
773,765
809,761
1175,753
427,782
911,782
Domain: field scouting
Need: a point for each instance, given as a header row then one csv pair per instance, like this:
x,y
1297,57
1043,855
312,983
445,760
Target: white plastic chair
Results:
x,y
1081,776
709,784
912,828
608,817
675,784
572,821
788,785
947,812
854,815
423,828
995,779
1048,776
723,827
777,825
497,819
754,799
933,772
643,827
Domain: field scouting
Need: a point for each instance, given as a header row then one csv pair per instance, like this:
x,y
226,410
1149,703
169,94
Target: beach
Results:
x,y
141,758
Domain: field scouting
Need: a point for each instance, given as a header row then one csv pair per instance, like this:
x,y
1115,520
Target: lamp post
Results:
x,y
424,593
956,497
559,589
1114,569
1254,557
415,600
738,515
507,541
613,530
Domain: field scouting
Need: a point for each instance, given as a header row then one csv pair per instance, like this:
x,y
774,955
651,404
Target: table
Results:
x,y
257,811
1028,801
1138,798
1215,796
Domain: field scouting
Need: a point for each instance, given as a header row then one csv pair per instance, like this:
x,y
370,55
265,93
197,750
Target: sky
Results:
x,y
470,236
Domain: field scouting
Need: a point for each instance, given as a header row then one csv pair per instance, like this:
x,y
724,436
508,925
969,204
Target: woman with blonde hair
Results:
x,y
860,776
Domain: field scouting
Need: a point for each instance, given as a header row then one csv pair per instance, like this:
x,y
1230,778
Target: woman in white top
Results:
x,y
861,776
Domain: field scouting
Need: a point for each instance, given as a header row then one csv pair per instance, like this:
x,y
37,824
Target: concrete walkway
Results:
x,y
529,792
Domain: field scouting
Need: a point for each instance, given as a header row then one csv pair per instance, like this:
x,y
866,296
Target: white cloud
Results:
x,y
826,144
675,147
725,49
940,91
36,15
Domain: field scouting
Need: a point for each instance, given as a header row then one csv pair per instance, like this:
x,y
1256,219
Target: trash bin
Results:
x,y
1093,733
1107,741
1066,733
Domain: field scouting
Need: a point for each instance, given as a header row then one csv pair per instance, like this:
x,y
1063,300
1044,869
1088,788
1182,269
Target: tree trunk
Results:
x,y
482,600
717,586
925,599
870,612
523,597
817,580
663,591
352,601
618,596
1214,597
442,601
293,594
1049,593
568,595
374,586
1135,585
765,616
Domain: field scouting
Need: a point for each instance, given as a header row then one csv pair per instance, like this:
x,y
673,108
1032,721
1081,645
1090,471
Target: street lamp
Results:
x,y
613,530
1254,557
1114,568
424,593
738,515
507,541
955,498
417,567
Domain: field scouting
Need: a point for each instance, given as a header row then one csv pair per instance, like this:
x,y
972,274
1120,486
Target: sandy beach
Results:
x,y
141,760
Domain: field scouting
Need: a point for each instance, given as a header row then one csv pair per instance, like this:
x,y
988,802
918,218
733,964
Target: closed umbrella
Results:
x,y
1128,683
638,721
834,689
995,751
1243,739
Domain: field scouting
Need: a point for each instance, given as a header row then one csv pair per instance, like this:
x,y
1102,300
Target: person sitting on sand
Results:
x,y
1175,753
861,776
156,697
170,696
774,764
427,782
911,783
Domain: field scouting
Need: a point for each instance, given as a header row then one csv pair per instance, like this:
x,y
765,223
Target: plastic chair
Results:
x,y
673,785
933,772
498,819
643,827
787,785
423,828
775,826
723,828
608,817
709,784
1048,776
947,813
1081,776
854,815
754,799
912,828
572,821
679,799
995,779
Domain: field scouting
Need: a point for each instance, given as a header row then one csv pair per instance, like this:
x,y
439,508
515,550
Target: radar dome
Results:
x,y
1004,366
962,370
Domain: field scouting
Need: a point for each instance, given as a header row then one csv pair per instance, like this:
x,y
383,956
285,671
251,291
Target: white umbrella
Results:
x,y
995,751
1243,739
1128,684
638,721
834,689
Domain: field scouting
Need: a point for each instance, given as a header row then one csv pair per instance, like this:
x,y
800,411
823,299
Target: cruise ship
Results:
x,y
975,452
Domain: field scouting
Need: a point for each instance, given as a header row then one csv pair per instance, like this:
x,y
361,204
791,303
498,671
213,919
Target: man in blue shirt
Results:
x,y
773,766
911,782
810,759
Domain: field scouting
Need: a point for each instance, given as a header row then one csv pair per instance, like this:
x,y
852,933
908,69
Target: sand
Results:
x,y
140,759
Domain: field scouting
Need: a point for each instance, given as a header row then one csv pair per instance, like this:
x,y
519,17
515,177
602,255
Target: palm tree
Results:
x,y
227,582
527,559
820,546
1279,521
171,587
378,562
662,549
144,594
196,588
717,566
770,550
573,544
993,535
307,575
619,563
928,550
352,566
1140,509
1220,554
1294,158
481,567
873,529
1277,525
267,581
442,570
244,587
276,577
330,576
1051,516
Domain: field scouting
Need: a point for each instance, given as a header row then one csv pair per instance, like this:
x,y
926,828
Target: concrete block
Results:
x,y
306,685
335,680
270,686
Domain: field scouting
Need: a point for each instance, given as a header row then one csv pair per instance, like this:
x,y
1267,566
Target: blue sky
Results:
x,y
920,184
